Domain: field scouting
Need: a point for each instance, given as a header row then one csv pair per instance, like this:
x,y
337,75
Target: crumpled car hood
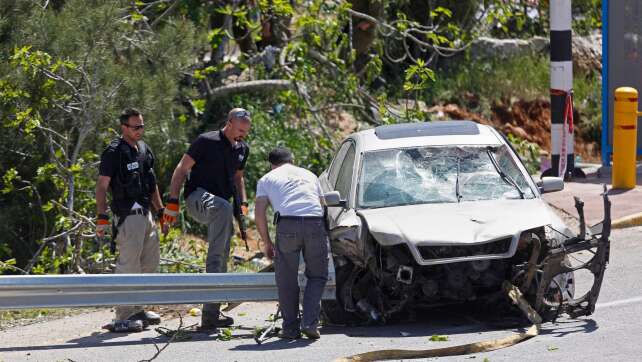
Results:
x,y
458,223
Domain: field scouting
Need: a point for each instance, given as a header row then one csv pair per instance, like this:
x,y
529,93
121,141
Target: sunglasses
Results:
x,y
136,128
241,114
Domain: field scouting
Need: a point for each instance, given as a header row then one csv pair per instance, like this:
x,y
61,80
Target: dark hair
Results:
x,y
280,155
128,112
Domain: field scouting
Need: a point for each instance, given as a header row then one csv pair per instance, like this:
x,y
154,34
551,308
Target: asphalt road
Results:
x,y
611,334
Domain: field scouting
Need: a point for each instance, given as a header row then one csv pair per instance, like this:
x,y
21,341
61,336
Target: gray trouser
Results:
x,y
218,215
294,236
139,252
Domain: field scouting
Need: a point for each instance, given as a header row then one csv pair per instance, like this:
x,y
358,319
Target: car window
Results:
x,y
335,166
442,174
506,163
344,178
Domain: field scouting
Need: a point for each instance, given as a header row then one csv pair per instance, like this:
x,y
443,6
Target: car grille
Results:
x,y
496,247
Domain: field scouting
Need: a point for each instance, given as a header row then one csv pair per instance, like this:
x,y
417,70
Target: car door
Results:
x,y
344,223
329,177
340,178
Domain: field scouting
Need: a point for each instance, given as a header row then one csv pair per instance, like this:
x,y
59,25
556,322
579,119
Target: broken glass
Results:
x,y
396,177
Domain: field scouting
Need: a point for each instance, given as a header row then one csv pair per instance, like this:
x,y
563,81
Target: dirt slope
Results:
x,y
529,120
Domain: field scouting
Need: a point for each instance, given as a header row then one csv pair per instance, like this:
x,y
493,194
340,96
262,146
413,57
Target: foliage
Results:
x,y
529,153
587,100
68,67
523,77
526,18
65,81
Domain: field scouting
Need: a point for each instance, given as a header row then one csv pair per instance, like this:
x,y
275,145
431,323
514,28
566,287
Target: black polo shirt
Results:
x,y
119,161
216,163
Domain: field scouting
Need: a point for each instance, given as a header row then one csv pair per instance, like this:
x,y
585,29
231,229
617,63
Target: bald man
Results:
x,y
214,163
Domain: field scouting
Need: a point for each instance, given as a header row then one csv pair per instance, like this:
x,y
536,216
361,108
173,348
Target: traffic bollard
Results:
x,y
625,122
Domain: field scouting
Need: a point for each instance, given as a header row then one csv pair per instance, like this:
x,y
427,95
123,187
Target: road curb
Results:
x,y
627,221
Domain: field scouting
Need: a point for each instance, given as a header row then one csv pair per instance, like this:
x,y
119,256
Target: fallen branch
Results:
x,y
48,240
257,86
169,341
9,266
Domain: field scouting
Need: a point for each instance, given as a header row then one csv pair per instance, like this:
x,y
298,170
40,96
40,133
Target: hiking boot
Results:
x,y
207,329
311,332
124,326
148,318
290,334
220,321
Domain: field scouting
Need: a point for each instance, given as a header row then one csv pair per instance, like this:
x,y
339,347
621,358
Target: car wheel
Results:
x,y
333,311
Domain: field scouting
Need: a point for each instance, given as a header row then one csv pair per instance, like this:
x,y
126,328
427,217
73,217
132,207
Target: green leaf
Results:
x,y
225,334
438,338
199,104
137,17
8,179
47,207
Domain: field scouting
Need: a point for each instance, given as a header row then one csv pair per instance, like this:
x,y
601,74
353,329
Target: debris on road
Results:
x,y
272,330
477,347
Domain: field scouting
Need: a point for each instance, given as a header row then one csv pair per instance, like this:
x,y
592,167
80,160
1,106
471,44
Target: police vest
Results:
x,y
135,180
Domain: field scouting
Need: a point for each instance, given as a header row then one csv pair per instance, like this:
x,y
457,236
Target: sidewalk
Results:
x,y
625,204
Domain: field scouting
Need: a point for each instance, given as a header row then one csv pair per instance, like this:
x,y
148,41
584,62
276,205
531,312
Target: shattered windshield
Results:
x,y
422,175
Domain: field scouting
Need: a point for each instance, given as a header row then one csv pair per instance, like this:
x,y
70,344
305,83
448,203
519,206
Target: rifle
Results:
x,y
240,218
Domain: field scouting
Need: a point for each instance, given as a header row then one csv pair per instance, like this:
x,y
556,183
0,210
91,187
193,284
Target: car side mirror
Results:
x,y
550,184
333,198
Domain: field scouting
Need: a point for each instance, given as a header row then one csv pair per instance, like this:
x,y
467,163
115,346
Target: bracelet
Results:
x,y
244,203
173,200
102,217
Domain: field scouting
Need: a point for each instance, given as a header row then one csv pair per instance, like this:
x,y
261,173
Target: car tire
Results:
x,y
333,311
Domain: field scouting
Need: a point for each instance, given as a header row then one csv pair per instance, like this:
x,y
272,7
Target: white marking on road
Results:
x,y
619,302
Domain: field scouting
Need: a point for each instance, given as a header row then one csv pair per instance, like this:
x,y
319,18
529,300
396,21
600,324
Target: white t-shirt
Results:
x,y
292,191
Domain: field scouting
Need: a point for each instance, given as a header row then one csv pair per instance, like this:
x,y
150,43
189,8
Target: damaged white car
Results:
x,y
445,212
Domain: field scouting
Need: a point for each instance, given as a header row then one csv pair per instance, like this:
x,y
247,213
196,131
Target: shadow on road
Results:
x,y
104,339
452,320
564,327
274,344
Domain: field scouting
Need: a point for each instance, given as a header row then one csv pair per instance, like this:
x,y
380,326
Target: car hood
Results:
x,y
458,223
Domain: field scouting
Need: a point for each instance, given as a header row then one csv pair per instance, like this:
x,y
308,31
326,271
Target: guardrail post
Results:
x,y
625,121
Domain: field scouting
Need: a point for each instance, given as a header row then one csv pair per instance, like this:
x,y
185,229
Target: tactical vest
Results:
x,y
135,180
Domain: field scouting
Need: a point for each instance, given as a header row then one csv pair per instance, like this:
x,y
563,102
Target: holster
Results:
x,y
114,231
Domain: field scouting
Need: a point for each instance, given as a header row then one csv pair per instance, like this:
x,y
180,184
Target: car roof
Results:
x,y
436,133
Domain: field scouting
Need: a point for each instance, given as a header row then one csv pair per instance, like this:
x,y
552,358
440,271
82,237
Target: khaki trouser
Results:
x,y
139,252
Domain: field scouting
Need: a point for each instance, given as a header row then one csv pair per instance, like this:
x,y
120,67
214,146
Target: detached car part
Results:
x,y
549,300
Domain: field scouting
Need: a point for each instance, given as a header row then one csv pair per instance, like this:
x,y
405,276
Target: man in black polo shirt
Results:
x,y
213,166
127,171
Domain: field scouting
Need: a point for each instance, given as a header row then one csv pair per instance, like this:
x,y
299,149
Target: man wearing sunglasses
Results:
x,y
127,171
213,166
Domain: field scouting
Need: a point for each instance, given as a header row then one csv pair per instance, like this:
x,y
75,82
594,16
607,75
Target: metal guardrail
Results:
x,y
57,291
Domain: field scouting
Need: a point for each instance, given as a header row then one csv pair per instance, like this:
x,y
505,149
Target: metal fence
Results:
x,y
56,291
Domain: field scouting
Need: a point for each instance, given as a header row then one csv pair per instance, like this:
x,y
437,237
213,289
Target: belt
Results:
x,y
138,211
278,217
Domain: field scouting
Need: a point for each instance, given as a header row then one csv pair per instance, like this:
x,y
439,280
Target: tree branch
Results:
x,y
258,86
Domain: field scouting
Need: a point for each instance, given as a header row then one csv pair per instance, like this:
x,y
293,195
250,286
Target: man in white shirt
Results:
x,y
295,195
